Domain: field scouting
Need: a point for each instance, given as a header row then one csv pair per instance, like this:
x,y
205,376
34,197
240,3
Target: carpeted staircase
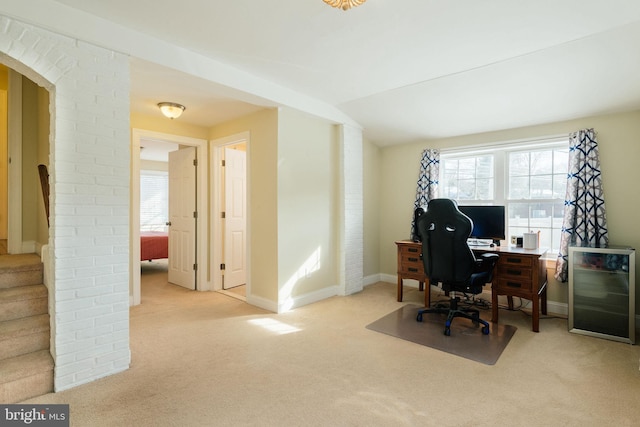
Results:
x,y
26,366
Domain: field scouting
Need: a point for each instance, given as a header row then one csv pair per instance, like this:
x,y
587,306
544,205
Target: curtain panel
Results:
x,y
427,182
584,222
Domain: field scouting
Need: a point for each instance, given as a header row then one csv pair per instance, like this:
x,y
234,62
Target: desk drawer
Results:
x,y
412,251
508,260
514,272
514,285
412,265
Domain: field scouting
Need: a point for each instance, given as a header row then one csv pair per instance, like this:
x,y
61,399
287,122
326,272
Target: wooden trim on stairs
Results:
x,y
44,183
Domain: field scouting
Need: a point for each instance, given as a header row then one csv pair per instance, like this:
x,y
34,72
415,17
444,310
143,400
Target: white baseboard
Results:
x,y
370,280
30,247
293,302
263,303
555,307
306,299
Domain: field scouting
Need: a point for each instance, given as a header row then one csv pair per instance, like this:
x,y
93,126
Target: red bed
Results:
x,y
154,245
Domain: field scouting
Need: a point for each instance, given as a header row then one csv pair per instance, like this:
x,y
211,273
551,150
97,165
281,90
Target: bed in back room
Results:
x,y
154,245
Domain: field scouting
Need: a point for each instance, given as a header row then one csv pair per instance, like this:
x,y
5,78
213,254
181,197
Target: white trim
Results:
x,y
217,145
202,221
389,278
14,128
29,247
500,152
263,303
292,303
372,279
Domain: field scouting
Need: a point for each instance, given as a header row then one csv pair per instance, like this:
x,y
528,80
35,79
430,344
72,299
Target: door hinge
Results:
x,y
223,163
195,267
195,162
222,266
195,214
223,215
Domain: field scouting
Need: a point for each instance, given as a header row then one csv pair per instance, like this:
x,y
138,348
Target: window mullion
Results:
x,y
501,179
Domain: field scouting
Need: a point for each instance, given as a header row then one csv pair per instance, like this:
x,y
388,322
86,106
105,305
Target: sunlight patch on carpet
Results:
x,y
275,326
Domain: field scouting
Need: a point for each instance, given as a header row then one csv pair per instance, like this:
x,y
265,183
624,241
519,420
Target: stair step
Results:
x,y
25,335
24,269
26,376
23,301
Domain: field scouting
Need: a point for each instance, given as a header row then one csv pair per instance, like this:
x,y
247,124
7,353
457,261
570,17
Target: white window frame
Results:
x,y
501,151
165,174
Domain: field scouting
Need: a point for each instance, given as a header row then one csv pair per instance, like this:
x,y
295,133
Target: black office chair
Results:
x,y
447,258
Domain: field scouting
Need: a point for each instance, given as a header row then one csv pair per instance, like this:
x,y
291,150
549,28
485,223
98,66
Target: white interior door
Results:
x,y
182,218
235,224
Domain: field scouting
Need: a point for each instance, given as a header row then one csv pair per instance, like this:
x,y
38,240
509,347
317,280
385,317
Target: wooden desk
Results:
x,y
519,273
410,266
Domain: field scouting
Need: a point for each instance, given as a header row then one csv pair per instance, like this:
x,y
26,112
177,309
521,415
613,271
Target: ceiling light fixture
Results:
x,y
171,109
344,4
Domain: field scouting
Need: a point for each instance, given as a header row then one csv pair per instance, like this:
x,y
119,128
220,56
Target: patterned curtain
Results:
x,y
427,181
585,222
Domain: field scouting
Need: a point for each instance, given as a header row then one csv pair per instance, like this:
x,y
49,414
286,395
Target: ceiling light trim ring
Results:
x,y
171,110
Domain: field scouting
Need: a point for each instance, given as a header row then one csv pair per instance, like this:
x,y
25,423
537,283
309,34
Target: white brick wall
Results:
x,y
89,179
352,255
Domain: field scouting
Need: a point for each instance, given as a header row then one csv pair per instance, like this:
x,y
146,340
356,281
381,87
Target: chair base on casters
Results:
x,y
453,311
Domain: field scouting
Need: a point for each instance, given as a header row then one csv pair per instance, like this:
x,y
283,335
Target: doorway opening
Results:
x,y
231,216
24,146
140,138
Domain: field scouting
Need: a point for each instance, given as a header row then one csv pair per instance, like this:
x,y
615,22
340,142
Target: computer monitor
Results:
x,y
488,223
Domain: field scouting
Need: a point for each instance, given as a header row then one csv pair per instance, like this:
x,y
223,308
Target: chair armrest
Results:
x,y
486,262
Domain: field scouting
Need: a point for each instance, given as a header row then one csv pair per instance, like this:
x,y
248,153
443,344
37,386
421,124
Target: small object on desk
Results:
x,y
530,241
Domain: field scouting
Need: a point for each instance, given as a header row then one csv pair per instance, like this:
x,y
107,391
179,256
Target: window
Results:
x,y
154,200
529,179
468,178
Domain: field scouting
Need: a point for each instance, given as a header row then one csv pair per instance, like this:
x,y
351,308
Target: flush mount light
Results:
x,y
344,4
171,109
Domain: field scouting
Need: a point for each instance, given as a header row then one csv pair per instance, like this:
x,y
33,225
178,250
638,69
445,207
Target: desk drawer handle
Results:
x,y
413,270
514,260
413,259
514,285
413,250
514,272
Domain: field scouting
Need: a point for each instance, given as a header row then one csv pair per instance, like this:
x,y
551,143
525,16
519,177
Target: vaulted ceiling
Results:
x,y
404,70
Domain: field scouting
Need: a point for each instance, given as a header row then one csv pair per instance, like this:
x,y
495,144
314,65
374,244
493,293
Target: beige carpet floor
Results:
x,y
207,359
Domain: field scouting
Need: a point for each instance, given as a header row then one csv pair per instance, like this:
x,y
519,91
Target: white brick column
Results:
x,y
89,184
351,194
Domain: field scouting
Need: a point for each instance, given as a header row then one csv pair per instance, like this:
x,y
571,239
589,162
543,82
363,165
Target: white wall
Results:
x,y
89,179
306,200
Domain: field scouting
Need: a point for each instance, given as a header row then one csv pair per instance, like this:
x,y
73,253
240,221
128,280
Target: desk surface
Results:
x,y
510,250
500,249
